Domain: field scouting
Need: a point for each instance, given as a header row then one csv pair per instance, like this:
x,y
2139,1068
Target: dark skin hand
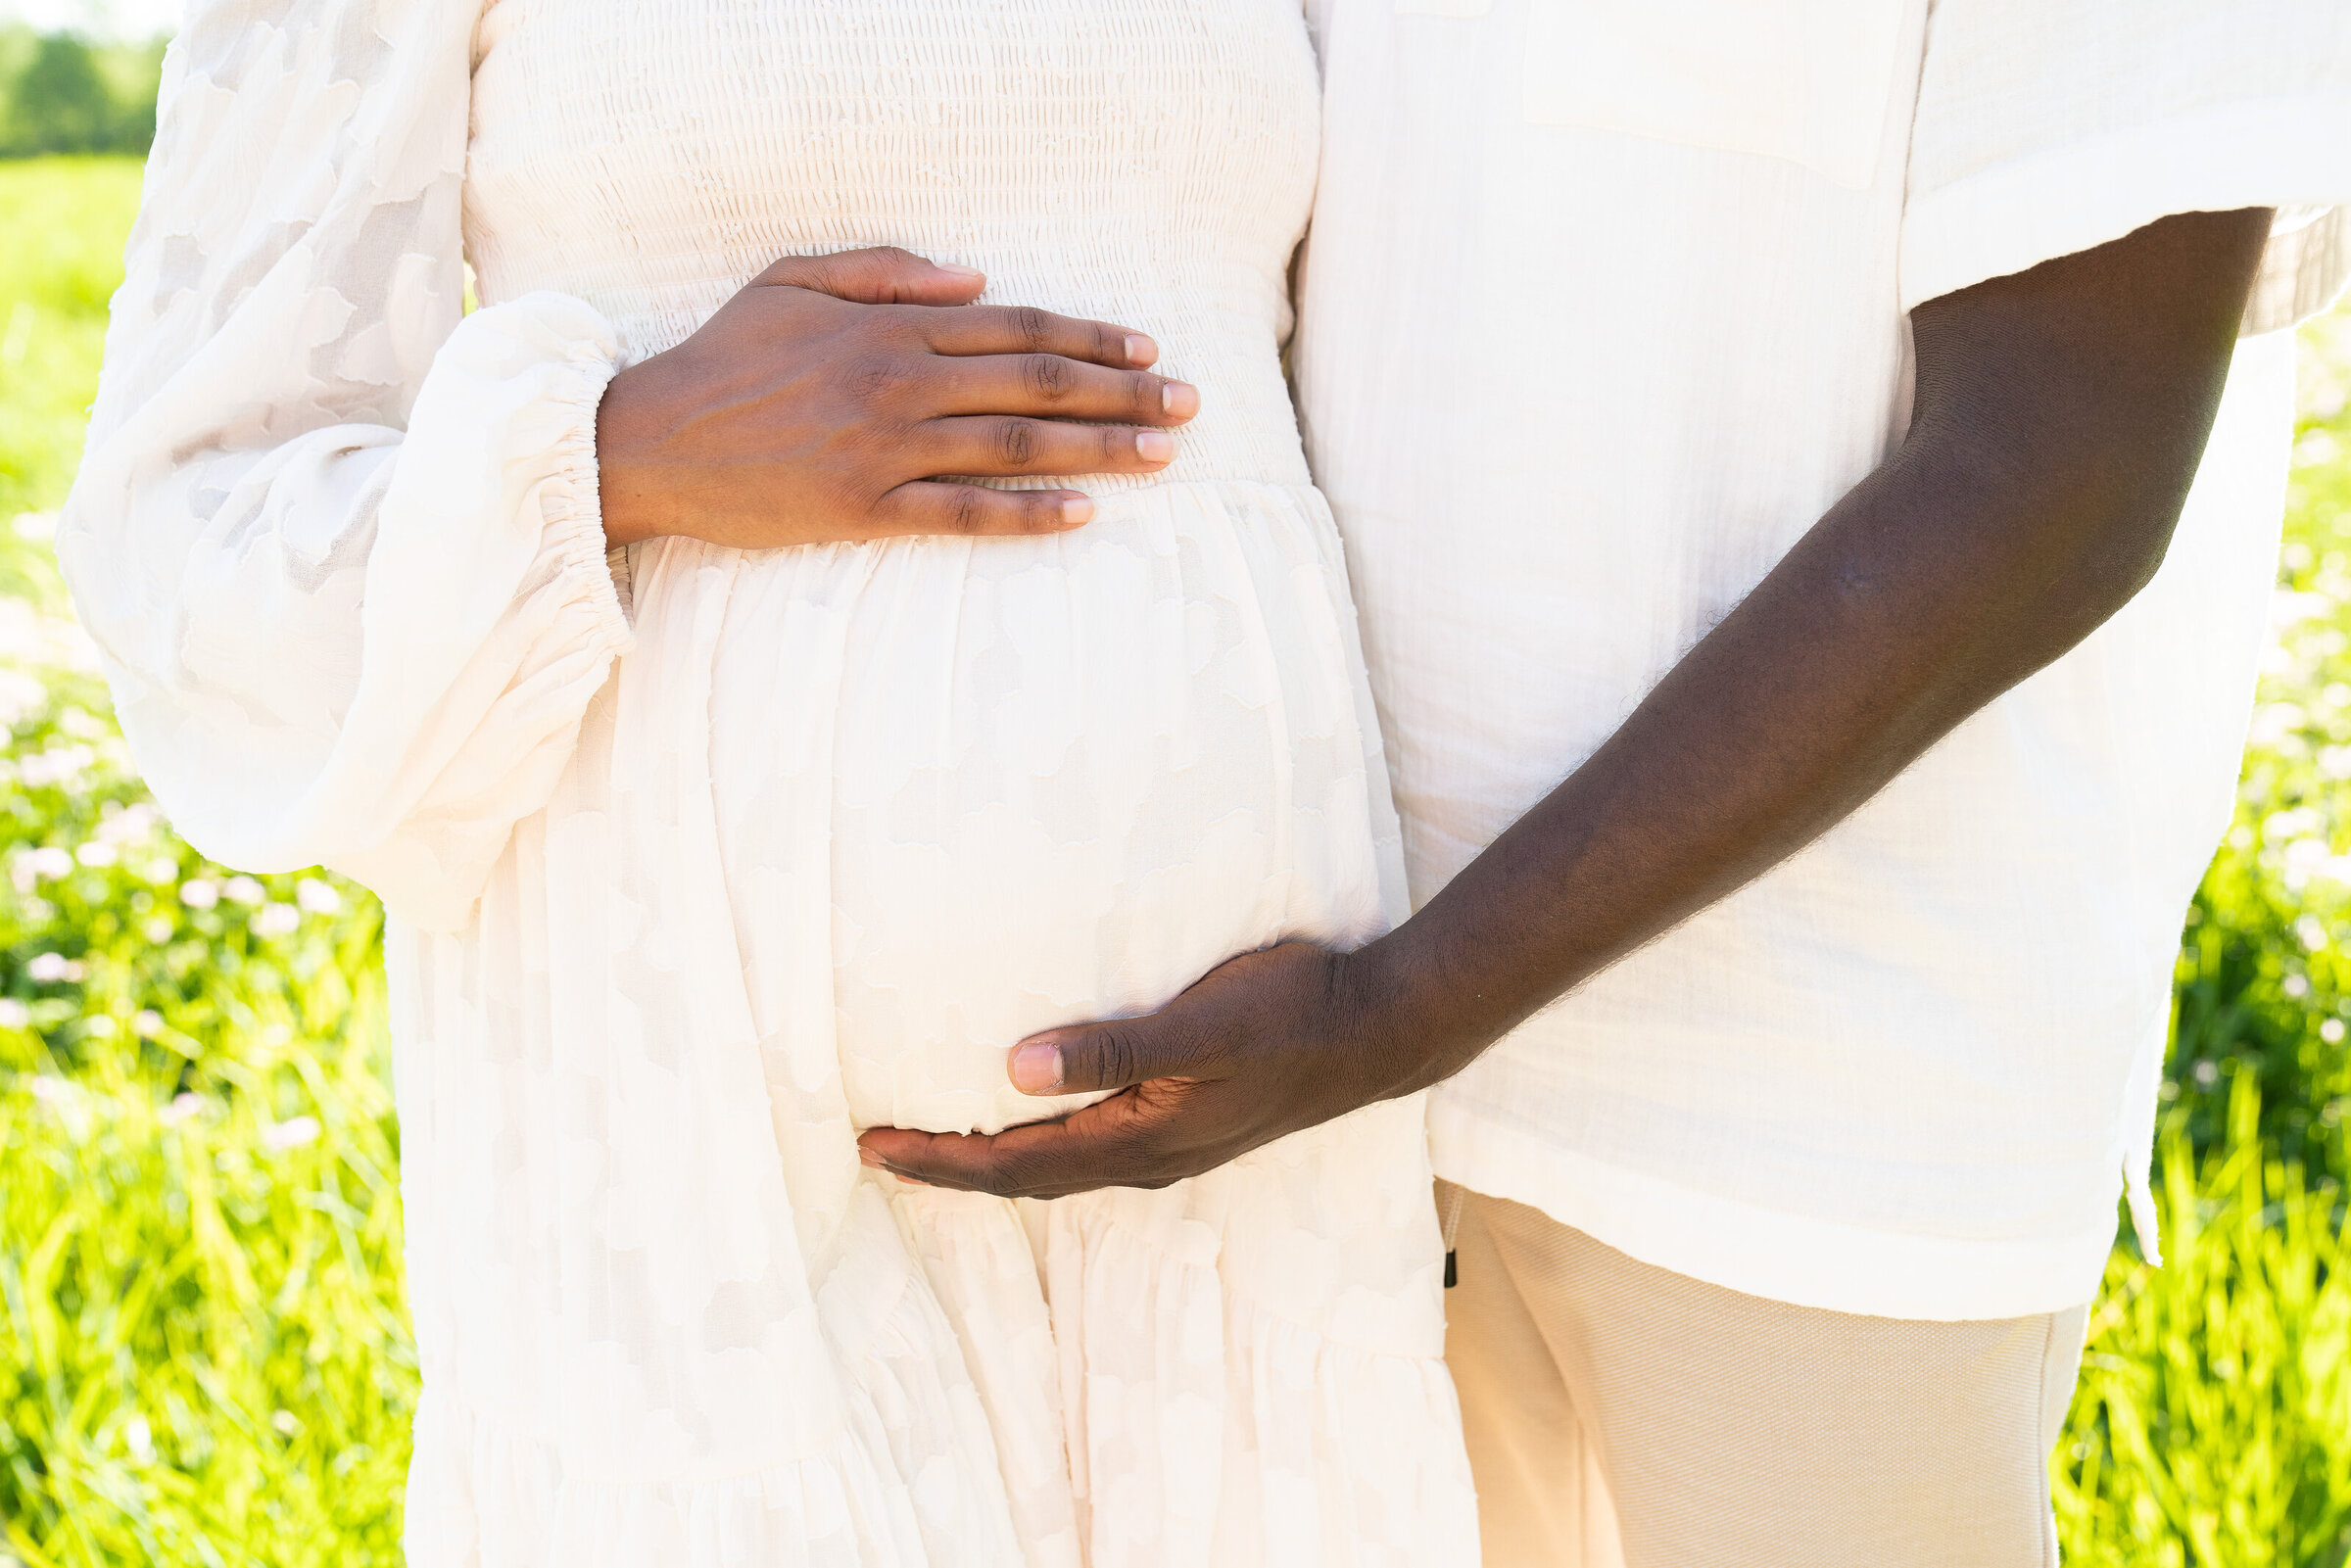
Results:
x,y
2060,415
822,403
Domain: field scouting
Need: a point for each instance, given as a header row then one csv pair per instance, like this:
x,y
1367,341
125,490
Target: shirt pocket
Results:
x,y
1804,80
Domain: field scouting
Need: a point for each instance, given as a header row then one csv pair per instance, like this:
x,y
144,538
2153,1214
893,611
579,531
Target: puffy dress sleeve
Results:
x,y
338,542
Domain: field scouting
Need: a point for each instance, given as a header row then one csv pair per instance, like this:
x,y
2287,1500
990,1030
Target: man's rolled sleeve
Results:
x,y
2049,127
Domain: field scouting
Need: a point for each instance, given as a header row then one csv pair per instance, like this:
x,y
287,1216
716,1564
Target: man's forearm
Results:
x,y
2060,417
2061,414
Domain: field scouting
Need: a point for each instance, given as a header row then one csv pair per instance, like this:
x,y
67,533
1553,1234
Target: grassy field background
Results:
x,y
204,1356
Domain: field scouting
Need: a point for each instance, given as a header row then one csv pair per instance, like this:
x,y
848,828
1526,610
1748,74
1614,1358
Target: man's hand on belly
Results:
x,y
1264,1045
820,403
2061,413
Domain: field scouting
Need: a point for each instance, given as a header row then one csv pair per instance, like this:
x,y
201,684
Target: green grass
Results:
x,y
2213,1423
64,220
2213,1420
203,1353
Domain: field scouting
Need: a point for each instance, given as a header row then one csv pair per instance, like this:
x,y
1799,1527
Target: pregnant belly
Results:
x,y
1005,784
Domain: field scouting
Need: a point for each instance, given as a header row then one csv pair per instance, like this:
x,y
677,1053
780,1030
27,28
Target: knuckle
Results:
x,y
783,268
1148,396
1033,326
1017,441
966,512
876,377
1026,512
1039,513
1048,375
1118,1055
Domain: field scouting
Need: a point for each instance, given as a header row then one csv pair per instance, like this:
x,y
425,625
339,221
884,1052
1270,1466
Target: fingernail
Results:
x,y
868,1159
1140,349
953,270
1154,446
1035,1068
1076,509
1181,398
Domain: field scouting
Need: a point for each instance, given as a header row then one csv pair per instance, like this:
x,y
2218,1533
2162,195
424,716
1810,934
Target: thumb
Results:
x,y
880,275
1106,1056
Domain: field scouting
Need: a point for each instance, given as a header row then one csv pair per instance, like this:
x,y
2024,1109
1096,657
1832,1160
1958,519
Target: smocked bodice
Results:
x,y
1147,166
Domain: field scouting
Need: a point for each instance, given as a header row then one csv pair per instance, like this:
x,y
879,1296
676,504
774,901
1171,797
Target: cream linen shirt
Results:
x,y
1605,303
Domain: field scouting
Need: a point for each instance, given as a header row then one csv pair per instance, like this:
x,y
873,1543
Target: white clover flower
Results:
x,y
243,890
318,897
183,1107
48,969
162,868
98,1024
139,1439
13,1014
122,824
59,765
2294,823
21,698
198,892
291,1133
147,1023
158,930
2331,1031
49,863
277,920
2273,722
96,853
2307,853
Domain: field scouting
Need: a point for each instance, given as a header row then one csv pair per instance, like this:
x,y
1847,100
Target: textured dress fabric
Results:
x,y
700,860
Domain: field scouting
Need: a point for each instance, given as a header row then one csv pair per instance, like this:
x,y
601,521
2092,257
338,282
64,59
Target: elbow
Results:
x,y
2134,549
2128,516
2079,526
2096,554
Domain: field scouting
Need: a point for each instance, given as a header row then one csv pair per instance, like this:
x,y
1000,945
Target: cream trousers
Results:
x,y
1626,1416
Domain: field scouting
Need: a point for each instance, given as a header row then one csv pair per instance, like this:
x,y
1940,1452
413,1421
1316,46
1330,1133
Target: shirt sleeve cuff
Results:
x,y
2293,153
573,506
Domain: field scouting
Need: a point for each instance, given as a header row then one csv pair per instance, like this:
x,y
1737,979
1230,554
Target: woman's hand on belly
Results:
x,y
820,404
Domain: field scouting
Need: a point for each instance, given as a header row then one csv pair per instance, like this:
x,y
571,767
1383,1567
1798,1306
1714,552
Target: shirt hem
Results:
x,y
1781,1257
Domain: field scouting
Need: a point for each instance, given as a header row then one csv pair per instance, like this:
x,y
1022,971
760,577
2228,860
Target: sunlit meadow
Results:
x,y
203,1353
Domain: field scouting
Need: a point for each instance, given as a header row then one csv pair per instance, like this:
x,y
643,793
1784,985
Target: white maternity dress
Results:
x,y
703,860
